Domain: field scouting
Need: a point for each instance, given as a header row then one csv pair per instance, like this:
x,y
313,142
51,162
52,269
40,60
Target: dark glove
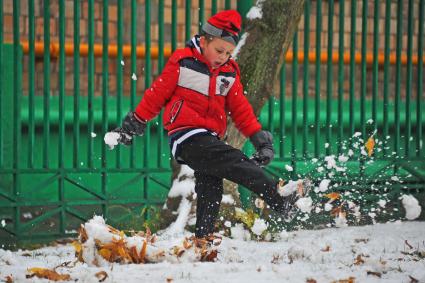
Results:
x,y
263,143
131,126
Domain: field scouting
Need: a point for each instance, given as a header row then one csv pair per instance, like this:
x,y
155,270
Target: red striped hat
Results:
x,y
225,24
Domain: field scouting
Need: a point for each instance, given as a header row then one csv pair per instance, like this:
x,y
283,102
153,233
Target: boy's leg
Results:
x,y
207,154
209,191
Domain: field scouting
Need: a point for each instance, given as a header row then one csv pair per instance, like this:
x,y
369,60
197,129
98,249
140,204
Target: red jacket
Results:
x,y
197,96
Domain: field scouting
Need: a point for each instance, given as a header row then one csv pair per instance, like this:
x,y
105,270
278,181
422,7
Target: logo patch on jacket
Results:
x,y
224,83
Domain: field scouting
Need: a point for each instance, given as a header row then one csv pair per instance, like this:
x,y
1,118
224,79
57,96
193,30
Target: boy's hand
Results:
x,y
131,126
263,143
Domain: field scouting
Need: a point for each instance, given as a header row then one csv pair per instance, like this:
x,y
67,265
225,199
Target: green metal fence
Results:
x,y
55,173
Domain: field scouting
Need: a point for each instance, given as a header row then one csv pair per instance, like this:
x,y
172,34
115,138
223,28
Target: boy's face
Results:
x,y
217,51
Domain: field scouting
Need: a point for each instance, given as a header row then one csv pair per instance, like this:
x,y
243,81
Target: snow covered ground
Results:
x,y
392,252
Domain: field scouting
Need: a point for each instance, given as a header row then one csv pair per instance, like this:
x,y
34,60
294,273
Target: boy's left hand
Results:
x,y
263,143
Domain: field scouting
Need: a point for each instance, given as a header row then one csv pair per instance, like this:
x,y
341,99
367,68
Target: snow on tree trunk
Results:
x,y
269,31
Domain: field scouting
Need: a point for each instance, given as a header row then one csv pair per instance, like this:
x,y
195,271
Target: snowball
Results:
x,y
411,204
228,224
134,77
289,168
254,13
304,204
93,135
111,139
238,232
382,203
122,63
328,207
341,221
342,158
259,226
324,184
3,223
227,199
357,134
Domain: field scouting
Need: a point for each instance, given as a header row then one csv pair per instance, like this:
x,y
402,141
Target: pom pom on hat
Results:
x,y
225,24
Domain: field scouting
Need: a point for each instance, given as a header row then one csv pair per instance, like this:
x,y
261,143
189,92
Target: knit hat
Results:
x,y
225,25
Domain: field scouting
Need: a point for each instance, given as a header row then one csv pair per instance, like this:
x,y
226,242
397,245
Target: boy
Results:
x,y
199,86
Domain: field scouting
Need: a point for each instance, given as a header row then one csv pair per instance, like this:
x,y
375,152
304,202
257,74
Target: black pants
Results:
x,y
212,160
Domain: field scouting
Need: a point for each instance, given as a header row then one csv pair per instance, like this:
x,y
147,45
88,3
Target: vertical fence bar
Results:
x,y
133,85
213,7
90,84
375,63
61,139
31,83
420,94
160,127
282,97
120,63
188,20
386,73
306,74
408,131
1,80
341,28
317,69
352,66
174,25
147,84
105,95
398,76
76,122
363,70
227,5
46,96
329,77
201,14
16,111
270,125
294,104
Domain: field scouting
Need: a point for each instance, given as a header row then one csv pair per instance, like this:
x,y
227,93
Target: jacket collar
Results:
x,y
197,51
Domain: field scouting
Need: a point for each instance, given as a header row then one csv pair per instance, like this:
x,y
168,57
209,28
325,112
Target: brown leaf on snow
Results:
x,y
326,249
338,211
101,275
413,279
333,196
8,279
361,240
169,279
349,280
359,260
370,145
310,280
208,255
47,274
377,274
83,234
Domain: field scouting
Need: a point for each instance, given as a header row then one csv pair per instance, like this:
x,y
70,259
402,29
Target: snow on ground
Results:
x,y
394,251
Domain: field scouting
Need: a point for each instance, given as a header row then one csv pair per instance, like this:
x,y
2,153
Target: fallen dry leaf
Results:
x,y
377,274
169,279
333,196
310,280
47,274
326,249
370,145
101,275
359,260
349,280
8,279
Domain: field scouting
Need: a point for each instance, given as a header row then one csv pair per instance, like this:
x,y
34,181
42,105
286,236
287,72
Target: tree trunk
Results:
x,y
260,60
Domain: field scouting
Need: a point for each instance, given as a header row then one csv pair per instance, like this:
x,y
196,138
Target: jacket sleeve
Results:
x,y
241,111
161,90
